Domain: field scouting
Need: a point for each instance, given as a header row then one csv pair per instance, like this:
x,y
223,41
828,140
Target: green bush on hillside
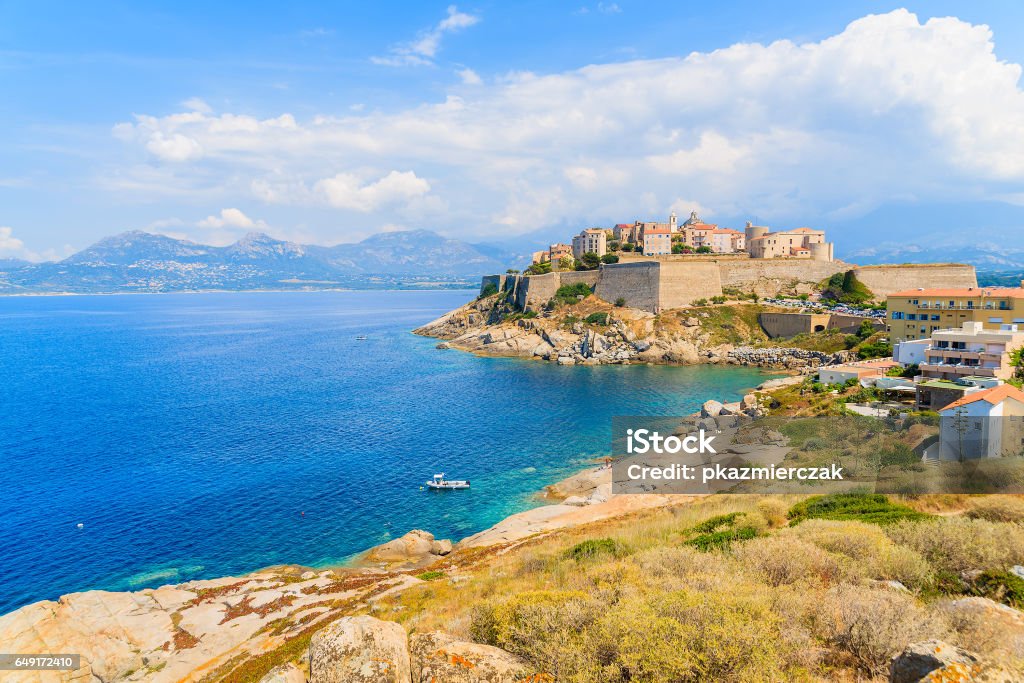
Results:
x,y
878,349
597,318
490,289
873,508
594,547
566,294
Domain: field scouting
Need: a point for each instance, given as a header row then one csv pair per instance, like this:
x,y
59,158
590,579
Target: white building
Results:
x,y
984,424
911,352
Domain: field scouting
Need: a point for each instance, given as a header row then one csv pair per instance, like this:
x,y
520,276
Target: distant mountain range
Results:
x,y
983,257
144,262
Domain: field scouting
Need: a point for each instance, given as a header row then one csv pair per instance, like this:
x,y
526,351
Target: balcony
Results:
x,y
945,370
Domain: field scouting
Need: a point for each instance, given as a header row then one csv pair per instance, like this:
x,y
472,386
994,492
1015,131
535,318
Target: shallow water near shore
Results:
x,y
196,436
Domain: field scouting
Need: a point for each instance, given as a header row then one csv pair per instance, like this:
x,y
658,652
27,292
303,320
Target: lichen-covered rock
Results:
x,y
286,673
437,657
359,650
920,659
442,547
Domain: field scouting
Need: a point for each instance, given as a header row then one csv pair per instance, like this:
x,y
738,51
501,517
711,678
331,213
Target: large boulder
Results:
x,y
415,548
438,657
920,659
286,673
711,408
359,650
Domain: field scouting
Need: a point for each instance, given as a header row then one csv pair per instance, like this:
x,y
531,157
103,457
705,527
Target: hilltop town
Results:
x,y
890,337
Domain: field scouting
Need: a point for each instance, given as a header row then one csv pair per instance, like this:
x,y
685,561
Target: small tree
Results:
x,y
704,249
628,246
566,263
512,271
620,302
589,261
609,258
677,247
614,245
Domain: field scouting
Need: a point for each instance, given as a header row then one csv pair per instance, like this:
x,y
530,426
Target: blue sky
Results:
x,y
499,121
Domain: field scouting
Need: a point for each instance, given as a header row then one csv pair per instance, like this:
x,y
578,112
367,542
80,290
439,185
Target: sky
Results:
x,y
506,122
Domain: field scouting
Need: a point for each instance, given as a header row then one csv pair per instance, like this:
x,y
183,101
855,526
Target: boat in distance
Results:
x,y
440,483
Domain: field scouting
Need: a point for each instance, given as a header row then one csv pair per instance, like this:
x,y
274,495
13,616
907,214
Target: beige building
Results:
x,y
591,240
657,241
556,252
540,257
916,313
799,243
971,350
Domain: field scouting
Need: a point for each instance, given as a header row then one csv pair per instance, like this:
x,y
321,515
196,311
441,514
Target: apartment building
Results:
x,y
657,241
916,313
591,240
971,350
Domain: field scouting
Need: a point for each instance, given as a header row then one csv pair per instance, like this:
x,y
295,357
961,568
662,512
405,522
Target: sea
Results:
x,y
158,438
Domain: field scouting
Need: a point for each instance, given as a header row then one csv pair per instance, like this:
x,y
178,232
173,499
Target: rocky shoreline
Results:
x,y
627,336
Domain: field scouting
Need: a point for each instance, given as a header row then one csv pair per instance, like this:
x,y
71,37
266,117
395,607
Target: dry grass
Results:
x,y
795,603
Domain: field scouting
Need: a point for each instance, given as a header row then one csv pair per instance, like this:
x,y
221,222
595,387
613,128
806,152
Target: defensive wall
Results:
x,y
656,284
791,324
886,279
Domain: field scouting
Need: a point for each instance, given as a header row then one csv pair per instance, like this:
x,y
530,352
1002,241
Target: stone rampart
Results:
x,y
663,283
886,279
637,283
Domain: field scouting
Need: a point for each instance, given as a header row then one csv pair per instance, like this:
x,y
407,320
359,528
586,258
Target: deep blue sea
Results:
x,y
189,433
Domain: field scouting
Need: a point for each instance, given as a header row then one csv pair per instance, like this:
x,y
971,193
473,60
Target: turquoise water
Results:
x,y
204,435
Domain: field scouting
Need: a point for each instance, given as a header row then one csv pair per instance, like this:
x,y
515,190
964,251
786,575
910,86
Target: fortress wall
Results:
x,y
499,282
684,283
768,277
637,283
536,290
792,324
883,280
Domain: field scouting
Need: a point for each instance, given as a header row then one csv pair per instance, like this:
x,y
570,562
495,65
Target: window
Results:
x,y
935,317
995,320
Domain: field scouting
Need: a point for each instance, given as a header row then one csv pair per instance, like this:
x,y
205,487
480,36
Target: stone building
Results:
x,y
591,240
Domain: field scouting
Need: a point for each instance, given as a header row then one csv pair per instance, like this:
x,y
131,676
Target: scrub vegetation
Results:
x,y
739,588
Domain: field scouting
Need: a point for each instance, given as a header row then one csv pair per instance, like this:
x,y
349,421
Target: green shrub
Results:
x,y
714,523
431,576
718,299
1000,586
610,258
566,294
700,302
620,302
490,289
721,540
873,508
597,318
878,349
594,547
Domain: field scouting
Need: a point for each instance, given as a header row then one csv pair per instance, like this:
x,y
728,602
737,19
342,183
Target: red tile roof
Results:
x,y
995,396
657,231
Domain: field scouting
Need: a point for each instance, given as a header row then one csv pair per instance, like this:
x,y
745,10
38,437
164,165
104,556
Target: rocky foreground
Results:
x,y
630,336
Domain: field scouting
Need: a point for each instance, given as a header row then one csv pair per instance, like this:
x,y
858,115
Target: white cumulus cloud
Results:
x,y
347,191
891,107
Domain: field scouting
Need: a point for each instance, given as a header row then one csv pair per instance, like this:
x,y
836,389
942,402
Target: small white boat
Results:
x,y
361,337
439,483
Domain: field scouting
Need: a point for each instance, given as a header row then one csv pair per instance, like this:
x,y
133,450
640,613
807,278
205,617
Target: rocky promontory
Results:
x,y
592,332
